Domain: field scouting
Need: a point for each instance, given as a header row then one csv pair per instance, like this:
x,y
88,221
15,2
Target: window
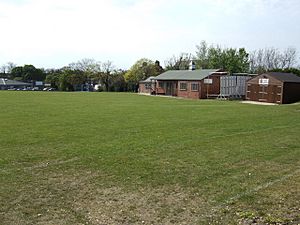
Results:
x,y
148,86
160,84
194,86
183,86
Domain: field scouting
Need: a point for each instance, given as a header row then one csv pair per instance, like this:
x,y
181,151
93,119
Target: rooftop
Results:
x,y
148,80
284,77
186,74
7,82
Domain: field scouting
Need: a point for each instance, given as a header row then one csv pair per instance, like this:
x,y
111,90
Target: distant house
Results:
x,y
6,84
196,84
274,87
147,86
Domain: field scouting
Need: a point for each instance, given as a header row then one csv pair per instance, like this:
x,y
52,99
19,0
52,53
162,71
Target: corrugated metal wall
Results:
x,y
233,86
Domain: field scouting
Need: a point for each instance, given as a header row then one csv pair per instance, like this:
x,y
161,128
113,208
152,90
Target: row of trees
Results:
x,y
235,60
86,72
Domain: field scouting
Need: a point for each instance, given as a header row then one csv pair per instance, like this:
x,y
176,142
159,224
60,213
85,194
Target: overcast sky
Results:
x,y
54,33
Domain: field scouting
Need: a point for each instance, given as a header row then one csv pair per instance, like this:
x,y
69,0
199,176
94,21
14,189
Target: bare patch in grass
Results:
x,y
79,198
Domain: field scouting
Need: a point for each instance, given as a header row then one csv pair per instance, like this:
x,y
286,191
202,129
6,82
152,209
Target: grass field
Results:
x,y
111,158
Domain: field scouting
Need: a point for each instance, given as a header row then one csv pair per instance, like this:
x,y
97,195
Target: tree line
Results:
x,y
81,75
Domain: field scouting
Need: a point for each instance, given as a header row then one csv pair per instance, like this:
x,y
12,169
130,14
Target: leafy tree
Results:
x,y
118,82
28,73
216,57
64,84
52,78
141,70
71,79
17,72
202,61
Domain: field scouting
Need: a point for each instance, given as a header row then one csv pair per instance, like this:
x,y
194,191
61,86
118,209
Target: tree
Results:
x,y
118,82
17,72
28,73
215,57
141,70
7,68
52,77
157,68
202,55
88,66
106,75
180,62
263,60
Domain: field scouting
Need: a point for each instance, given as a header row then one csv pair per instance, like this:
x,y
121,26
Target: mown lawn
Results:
x,y
113,158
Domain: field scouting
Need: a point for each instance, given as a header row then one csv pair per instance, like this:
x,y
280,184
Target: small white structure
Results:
x,y
97,87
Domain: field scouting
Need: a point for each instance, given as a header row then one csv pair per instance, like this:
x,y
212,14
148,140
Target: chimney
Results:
x,y
192,65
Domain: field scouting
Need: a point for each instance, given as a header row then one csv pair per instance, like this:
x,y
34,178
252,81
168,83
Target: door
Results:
x,y
169,88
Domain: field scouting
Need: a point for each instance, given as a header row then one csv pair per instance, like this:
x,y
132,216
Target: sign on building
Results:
x,y
263,81
208,81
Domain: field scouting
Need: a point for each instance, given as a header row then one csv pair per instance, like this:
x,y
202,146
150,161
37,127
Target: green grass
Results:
x,y
112,158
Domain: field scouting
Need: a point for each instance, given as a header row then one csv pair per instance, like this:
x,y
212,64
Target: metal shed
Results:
x,y
233,86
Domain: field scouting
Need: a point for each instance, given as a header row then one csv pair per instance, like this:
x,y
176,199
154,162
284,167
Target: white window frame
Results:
x,y
183,88
192,86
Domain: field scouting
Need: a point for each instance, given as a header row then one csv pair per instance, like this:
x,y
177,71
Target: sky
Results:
x,y
54,33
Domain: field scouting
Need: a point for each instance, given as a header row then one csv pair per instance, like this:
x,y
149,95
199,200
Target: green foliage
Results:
x,y
214,57
28,73
141,70
52,78
118,82
17,72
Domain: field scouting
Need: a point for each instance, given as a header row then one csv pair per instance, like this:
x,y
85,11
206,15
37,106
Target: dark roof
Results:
x,y
284,77
186,74
6,82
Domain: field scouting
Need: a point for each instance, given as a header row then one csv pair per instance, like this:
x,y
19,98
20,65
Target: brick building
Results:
x,y
196,84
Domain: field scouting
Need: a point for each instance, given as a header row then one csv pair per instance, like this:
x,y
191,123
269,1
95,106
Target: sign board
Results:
x,y
208,81
38,83
263,81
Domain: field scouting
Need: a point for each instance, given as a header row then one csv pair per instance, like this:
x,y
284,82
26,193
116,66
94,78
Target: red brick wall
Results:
x,y
188,93
213,88
143,89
